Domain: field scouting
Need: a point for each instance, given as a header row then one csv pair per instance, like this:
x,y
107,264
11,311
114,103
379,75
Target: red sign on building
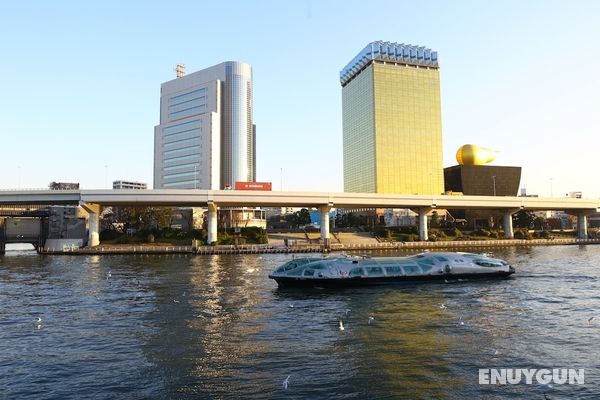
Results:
x,y
267,186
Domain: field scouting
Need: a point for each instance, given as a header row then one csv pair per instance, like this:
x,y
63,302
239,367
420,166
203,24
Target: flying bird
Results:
x,y
285,382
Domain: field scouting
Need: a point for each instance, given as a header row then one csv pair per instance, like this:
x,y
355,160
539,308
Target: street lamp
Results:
x,y
494,183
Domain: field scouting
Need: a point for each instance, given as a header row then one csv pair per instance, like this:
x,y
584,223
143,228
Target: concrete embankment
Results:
x,y
316,248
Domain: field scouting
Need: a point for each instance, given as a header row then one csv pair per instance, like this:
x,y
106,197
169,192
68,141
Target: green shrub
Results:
x,y
109,234
453,232
522,233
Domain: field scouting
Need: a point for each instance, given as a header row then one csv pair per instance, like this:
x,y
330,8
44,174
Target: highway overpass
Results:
x,y
93,200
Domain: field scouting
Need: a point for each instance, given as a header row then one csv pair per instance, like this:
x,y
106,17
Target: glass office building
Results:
x,y
206,138
392,120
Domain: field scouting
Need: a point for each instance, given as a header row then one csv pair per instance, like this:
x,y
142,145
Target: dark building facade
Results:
x,y
482,180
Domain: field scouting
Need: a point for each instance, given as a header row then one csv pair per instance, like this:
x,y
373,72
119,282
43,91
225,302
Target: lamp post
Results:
x,y
494,183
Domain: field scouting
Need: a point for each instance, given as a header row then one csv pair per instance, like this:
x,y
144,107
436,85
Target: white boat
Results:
x,y
351,270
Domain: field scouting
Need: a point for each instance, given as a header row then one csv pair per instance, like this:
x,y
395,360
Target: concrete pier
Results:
x,y
325,225
582,226
423,233
212,223
93,211
508,223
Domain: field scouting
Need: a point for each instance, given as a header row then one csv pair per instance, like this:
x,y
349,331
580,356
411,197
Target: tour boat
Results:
x,y
352,270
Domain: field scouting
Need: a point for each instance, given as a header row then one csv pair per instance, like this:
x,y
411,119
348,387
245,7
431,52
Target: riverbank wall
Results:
x,y
195,248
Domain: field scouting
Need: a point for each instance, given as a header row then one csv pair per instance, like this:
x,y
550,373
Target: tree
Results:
x,y
144,218
539,223
523,219
303,217
435,220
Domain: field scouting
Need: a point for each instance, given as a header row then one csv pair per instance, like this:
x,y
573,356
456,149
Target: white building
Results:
x,y
206,138
129,185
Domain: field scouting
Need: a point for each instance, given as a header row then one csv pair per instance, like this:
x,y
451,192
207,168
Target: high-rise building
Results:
x,y
206,138
392,120
129,185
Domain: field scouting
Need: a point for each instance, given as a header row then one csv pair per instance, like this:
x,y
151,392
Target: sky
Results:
x,y
81,83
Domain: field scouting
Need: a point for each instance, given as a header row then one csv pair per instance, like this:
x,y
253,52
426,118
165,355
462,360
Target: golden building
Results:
x,y
392,121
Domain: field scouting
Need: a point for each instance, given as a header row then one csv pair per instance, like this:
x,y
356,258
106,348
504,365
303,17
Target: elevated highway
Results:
x,y
93,200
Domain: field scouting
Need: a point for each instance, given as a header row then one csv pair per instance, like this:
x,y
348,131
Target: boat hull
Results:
x,y
286,281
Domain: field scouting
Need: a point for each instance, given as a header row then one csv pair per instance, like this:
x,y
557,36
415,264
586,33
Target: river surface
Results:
x,y
215,327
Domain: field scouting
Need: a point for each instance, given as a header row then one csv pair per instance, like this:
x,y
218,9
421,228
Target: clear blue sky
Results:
x,y
81,83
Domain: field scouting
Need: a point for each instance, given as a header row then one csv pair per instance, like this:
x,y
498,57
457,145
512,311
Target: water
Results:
x,y
216,327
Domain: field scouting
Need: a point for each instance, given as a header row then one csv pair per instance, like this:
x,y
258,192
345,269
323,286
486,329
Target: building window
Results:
x,y
168,152
171,184
181,175
193,93
182,166
188,102
183,141
188,157
182,134
177,127
188,110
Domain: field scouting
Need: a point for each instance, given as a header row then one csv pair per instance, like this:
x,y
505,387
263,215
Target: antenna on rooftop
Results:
x,y
180,70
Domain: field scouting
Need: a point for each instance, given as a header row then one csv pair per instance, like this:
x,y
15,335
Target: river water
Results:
x,y
215,327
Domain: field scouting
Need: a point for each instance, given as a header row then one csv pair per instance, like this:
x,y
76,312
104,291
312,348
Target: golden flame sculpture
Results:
x,y
470,154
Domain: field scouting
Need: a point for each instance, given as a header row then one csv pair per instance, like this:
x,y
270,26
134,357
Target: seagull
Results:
x,y
108,275
291,305
39,320
496,352
175,301
341,325
285,382
590,319
348,310
460,321
443,307
371,319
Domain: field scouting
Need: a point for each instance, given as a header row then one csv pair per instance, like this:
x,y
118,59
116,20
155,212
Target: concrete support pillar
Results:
x,y
423,235
582,226
2,248
211,223
93,211
508,225
324,210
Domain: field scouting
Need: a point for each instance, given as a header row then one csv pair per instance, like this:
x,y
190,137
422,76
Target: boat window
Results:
x,y
318,265
426,261
441,258
411,269
425,267
395,270
308,272
487,263
356,272
372,271
296,272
